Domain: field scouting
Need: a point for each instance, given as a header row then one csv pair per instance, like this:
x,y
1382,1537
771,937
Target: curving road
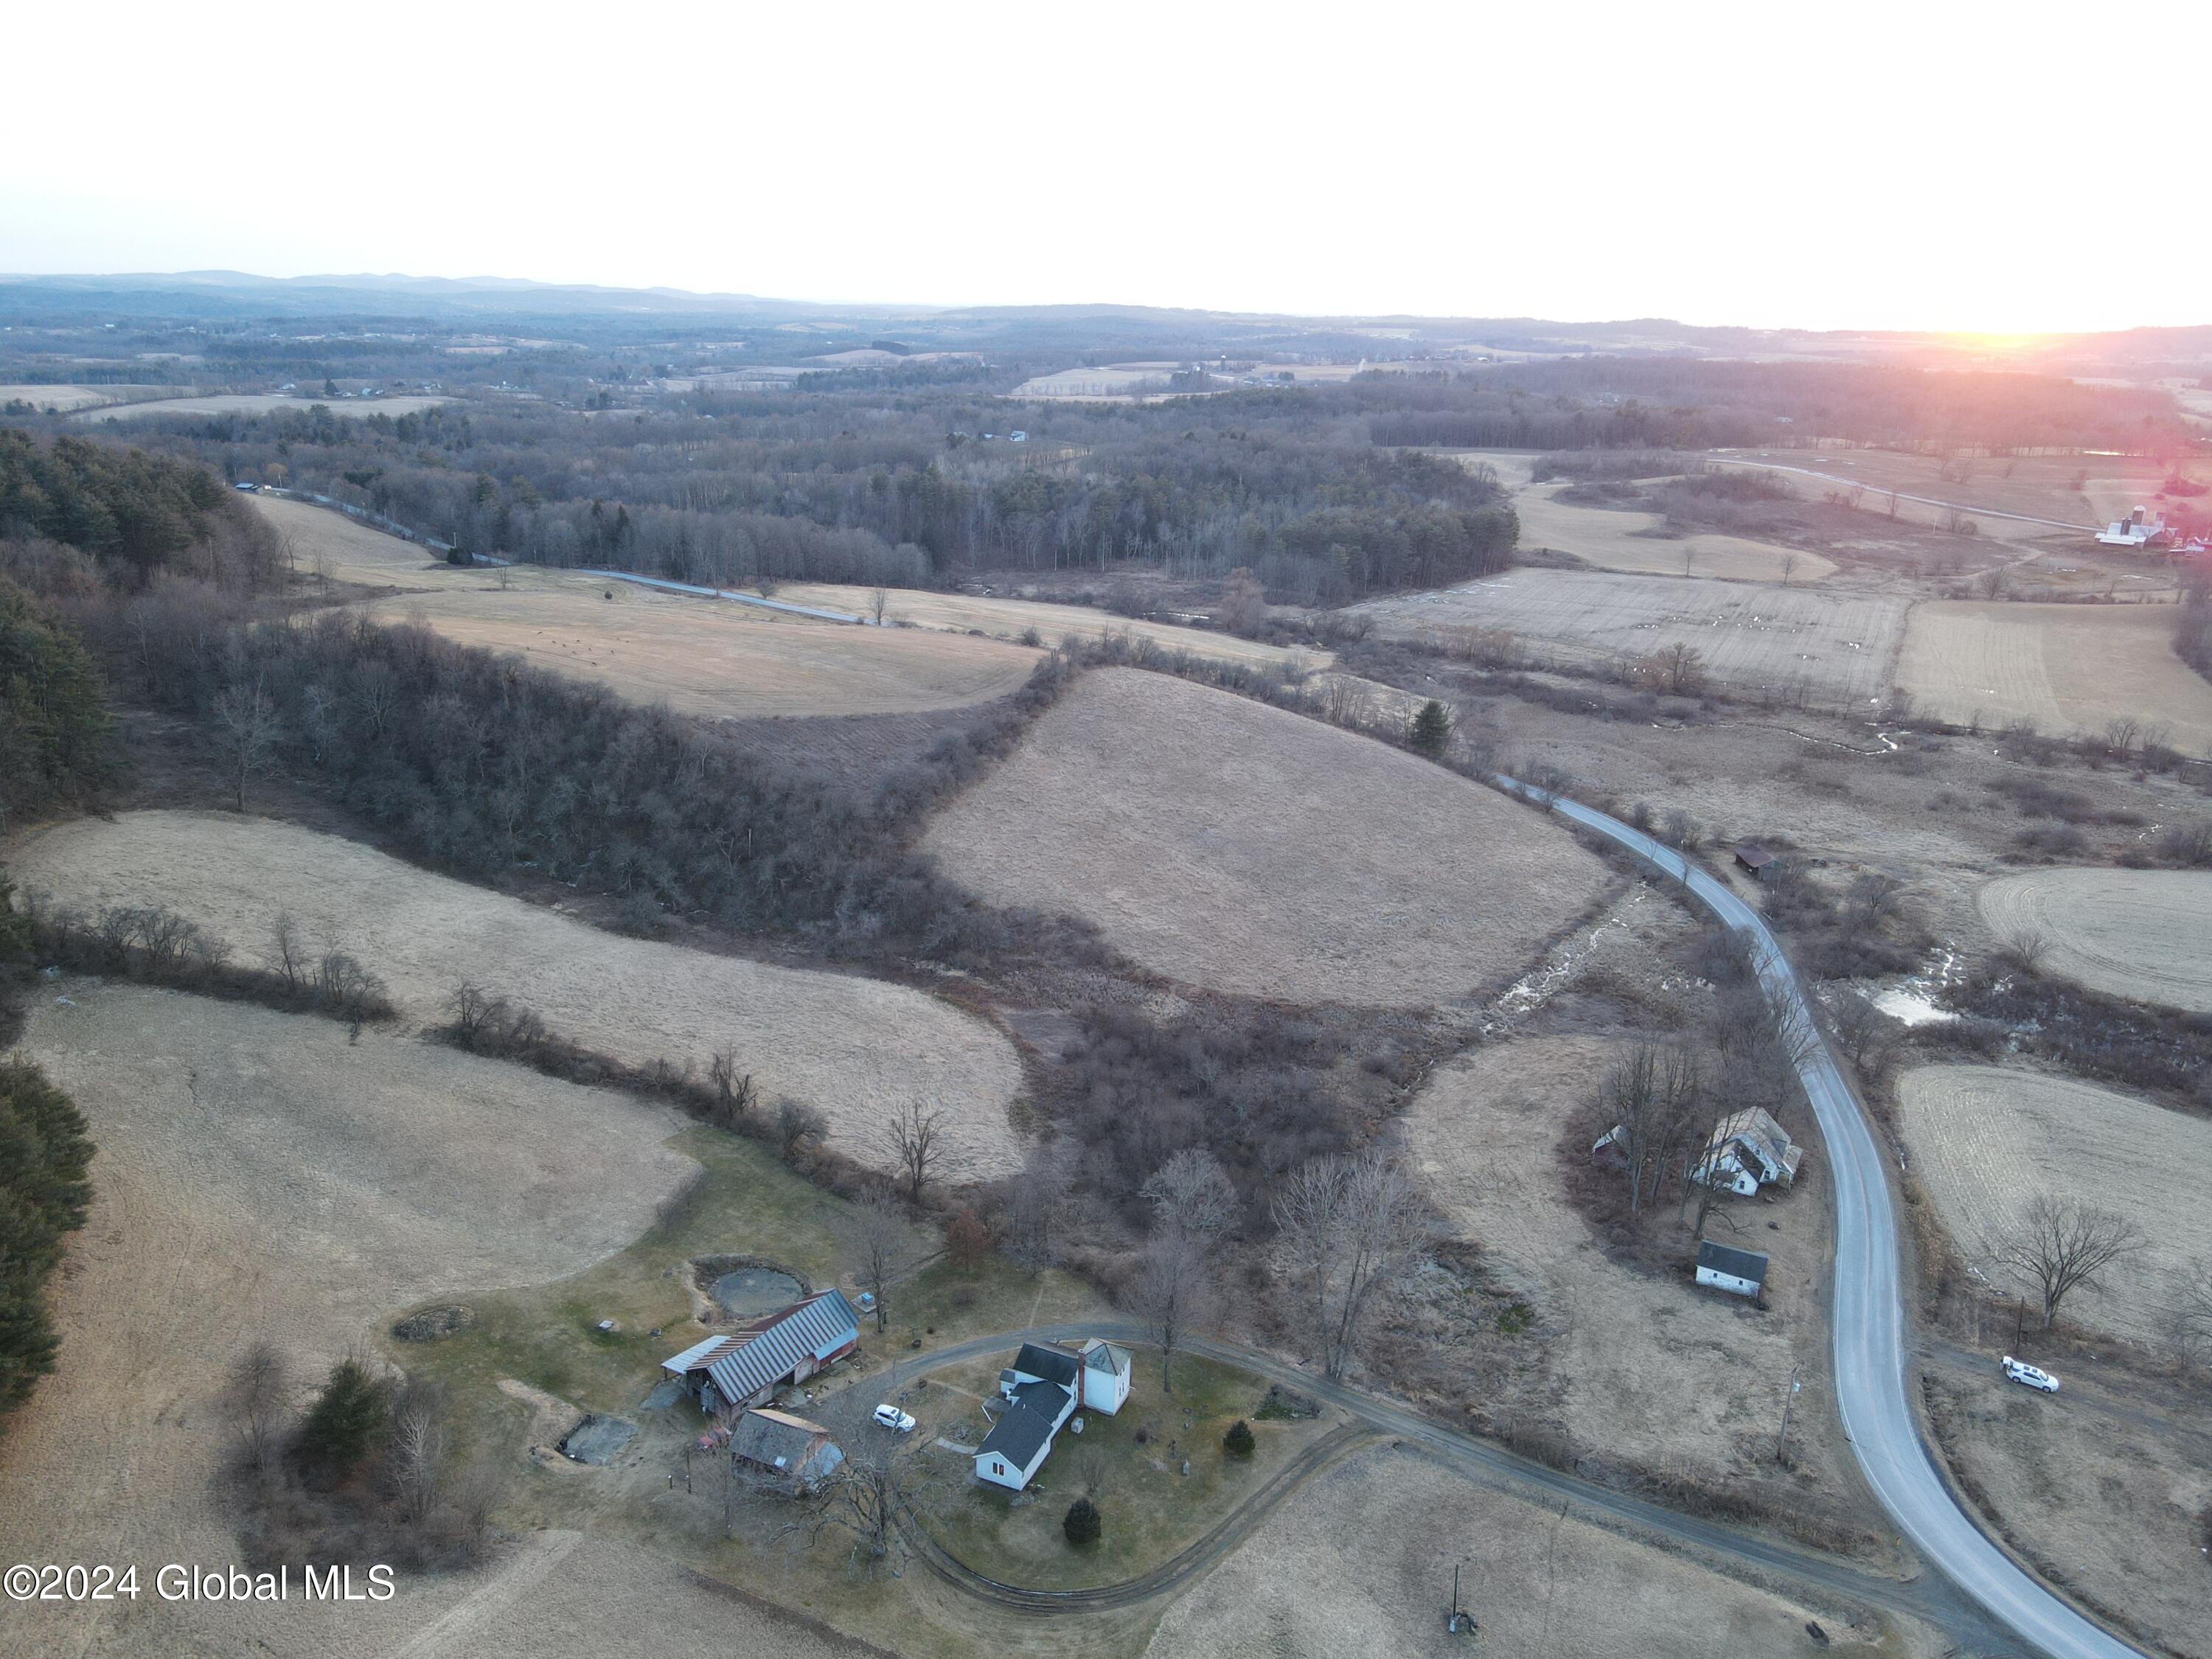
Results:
x,y
1868,1311
1472,1458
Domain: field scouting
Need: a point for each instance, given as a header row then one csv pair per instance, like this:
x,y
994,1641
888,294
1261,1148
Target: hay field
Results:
x,y
1613,539
2039,486
66,399
1985,1139
703,657
1008,619
263,403
1654,1371
2068,668
1360,1561
258,1177
724,661
1237,846
1840,644
2144,933
856,1047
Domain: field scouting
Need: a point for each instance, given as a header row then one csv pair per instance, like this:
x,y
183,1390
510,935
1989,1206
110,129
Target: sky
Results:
x,y
1958,167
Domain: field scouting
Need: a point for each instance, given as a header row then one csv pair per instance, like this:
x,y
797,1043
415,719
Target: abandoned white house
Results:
x,y
783,1450
1749,1150
1742,1273
746,1367
1042,1389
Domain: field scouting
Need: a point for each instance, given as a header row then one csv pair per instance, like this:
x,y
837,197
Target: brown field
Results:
x,y
1611,539
1652,1371
1007,618
1244,848
2068,668
2039,486
1360,1562
258,1175
2108,1502
724,661
64,399
2144,933
1839,645
262,402
857,1048
702,657
1985,1139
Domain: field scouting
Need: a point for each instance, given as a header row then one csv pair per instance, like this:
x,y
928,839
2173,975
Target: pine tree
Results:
x,y
346,1420
1431,730
1082,1525
1238,1442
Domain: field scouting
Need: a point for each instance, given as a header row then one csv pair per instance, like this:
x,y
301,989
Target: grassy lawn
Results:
x,y
1150,1509
744,1203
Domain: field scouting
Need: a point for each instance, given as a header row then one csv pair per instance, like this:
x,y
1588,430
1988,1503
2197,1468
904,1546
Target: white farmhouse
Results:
x,y
2138,529
1042,1389
1749,1150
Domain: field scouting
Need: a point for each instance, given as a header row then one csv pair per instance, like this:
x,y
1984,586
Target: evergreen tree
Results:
x,y
346,1420
1238,1442
1082,1525
43,1154
1431,730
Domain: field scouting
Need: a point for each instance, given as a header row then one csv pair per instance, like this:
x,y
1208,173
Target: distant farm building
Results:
x,y
1042,1389
1724,1267
784,1450
746,1367
1749,1150
2138,529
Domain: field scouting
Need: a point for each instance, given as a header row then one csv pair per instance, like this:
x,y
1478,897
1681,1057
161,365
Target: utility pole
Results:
x,y
1782,1440
1460,1620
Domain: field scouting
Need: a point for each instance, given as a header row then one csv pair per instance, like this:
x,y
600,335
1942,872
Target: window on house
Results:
x,y
998,1468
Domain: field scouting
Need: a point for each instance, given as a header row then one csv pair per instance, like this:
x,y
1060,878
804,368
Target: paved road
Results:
x,y
1472,1458
1868,1311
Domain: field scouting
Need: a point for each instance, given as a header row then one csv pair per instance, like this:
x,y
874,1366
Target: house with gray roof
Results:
x,y
1724,1267
1044,1387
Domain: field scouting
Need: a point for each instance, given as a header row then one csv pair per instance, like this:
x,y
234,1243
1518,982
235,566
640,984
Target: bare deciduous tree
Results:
x,y
1868,1036
876,1246
1172,1293
734,1092
1350,1226
914,1137
1035,1206
255,1397
415,1450
2059,1244
878,602
246,729
291,951
881,1484
1648,1098
1191,1196
796,1123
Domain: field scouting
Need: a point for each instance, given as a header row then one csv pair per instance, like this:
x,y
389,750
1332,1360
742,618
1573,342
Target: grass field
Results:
x,y
2039,486
1360,1561
257,1176
1010,618
65,399
2133,932
711,658
1654,1371
2100,1501
857,1048
1986,1139
1839,645
263,403
2068,668
1615,540
1237,846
